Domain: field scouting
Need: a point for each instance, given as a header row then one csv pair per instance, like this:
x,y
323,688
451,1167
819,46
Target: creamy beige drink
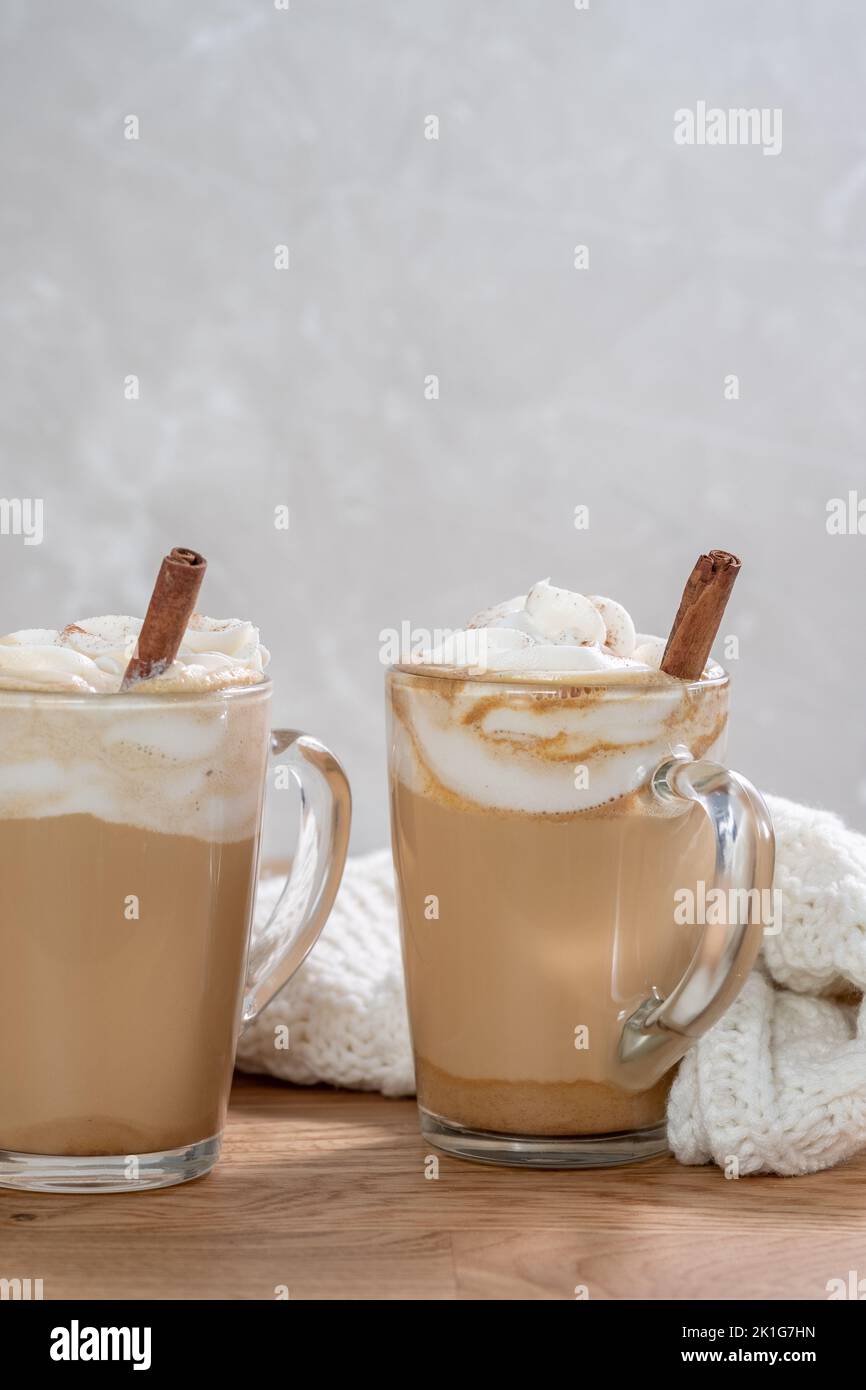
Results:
x,y
536,871
128,847
93,1068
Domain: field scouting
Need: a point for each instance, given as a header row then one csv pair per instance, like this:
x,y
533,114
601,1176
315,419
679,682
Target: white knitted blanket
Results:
x,y
778,1085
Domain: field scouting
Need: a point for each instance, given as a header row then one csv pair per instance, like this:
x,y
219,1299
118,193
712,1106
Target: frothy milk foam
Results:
x,y
520,753
178,767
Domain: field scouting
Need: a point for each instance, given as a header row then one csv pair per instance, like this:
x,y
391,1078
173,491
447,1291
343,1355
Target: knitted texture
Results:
x,y
779,1084
345,1009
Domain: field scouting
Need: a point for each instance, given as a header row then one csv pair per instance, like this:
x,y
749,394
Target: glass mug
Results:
x,y
550,988
130,827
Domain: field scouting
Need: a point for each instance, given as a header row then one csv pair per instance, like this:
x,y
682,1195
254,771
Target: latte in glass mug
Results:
x,y
552,791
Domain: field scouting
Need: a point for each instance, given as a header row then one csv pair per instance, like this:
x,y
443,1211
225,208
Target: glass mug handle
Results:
x,y
311,885
662,1030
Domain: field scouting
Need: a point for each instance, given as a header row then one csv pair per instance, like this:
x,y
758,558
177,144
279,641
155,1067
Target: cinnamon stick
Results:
x,y
168,613
699,615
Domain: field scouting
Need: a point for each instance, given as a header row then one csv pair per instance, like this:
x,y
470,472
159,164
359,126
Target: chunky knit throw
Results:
x,y
778,1085
345,1010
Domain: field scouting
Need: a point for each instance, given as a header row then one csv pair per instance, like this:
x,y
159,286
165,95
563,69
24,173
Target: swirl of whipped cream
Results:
x,y
90,656
549,630
518,745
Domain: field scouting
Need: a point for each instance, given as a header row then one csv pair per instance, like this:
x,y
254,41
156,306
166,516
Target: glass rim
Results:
x,y
126,698
614,682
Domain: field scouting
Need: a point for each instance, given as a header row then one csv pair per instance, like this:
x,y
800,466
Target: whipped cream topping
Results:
x,y
549,630
90,656
176,766
585,719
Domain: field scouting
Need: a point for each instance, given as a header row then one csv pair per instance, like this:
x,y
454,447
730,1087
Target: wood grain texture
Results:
x,y
325,1192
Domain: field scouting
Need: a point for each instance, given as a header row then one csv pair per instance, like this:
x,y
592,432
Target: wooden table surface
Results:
x,y
324,1193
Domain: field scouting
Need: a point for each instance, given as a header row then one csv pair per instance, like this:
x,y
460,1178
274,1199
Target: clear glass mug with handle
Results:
x,y
130,828
555,847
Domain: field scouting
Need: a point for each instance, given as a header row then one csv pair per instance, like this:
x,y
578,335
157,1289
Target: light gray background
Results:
x,y
409,257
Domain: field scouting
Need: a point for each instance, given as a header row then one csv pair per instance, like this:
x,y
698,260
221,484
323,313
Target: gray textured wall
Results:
x,y
410,256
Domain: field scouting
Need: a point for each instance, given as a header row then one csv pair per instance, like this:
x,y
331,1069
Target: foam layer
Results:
x,y
90,657
546,751
183,767
554,748
547,631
